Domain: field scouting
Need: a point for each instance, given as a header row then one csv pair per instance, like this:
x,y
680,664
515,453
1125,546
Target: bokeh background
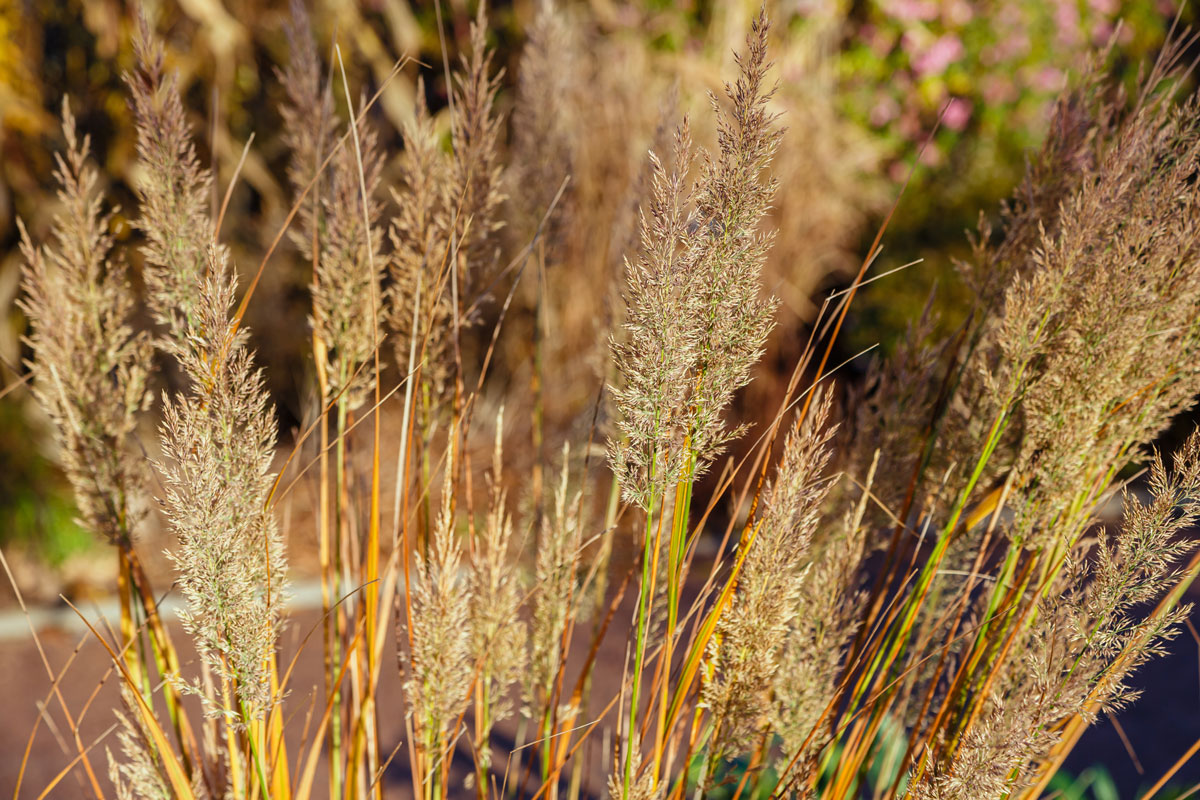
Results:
x,y
861,87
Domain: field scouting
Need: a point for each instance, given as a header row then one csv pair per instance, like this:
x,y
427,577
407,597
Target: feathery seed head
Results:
x,y
744,655
218,440
695,322
172,188
90,368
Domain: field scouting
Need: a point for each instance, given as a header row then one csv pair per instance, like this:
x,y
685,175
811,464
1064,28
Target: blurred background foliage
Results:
x,y
862,85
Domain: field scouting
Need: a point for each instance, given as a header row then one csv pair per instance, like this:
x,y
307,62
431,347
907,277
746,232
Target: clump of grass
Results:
x,y
913,605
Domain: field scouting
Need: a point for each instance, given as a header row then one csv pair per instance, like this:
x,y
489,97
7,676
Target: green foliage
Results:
x,y
1094,783
39,509
884,767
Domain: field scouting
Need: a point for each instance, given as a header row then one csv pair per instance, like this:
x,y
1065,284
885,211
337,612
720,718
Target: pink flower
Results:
x,y
1048,79
957,13
931,156
997,90
942,53
911,10
880,41
909,125
910,41
957,114
884,111
1066,19
1010,48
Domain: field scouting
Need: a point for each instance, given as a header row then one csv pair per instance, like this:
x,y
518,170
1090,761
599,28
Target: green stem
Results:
x,y
335,719
648,558
255,751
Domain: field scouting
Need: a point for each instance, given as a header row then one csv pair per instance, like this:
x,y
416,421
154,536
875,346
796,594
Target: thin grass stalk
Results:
x,y
976,707
166,661
936,749
324,537
616,702
1001,640
326,560
128,625
483,724
174,770
553,746
409,441
55,692
536,378
650,559
675,566
705,631
599,591
305,783
893,639
69,768
231,741
254,736
368,724
915,736
889,572
281,788
337,565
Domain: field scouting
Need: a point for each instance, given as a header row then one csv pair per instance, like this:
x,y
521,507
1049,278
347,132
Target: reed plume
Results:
x,y
218,436
307,118
498,633
347,296
448,209
172,189
945,598
1096,335
90,367
1080,352
476,192
137,775
545,132
695,321
1087,639
824,618
556,599
439,667
419,233
219,440
744,656
348,262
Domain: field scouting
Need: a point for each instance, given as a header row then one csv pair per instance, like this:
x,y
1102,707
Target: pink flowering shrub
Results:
x,y
991,70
